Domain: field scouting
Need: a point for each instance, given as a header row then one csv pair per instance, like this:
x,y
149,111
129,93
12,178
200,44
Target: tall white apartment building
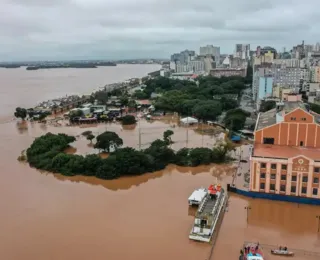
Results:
x,y
292,63
242,51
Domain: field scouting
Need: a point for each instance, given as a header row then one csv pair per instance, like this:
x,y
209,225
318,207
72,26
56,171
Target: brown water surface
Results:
x,y
49,216
26,88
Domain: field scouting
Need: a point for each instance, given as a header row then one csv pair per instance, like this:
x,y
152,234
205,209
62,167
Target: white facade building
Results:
x,y
196,66
292,63
242,51
211,50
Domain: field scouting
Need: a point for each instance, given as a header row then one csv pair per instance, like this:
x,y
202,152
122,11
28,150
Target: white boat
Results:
x,y
251,251
209,213
282,252
197,196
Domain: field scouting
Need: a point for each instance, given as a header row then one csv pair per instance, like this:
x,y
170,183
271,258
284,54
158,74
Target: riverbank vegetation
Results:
x,y
47,153
205,99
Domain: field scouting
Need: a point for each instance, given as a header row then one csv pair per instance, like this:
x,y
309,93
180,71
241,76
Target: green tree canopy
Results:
x,y
267,105
128,120
208,110
76,113
86,133
107,140
235,119
20,113
167,137
90,137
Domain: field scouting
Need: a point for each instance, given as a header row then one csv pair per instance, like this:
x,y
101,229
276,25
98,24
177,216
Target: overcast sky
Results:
x,y
118,29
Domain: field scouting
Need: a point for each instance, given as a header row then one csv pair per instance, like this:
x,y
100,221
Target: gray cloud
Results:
x,y
63,29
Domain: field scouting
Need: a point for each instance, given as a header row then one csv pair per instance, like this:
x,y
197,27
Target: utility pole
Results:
x,y
139,135
247,209
202,134
187,133
318,217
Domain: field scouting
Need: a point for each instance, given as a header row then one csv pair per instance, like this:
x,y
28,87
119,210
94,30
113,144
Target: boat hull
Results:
x,y
220,213
281,253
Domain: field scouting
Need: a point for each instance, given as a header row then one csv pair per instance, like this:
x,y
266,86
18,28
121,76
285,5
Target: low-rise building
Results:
x,y
286,155
228,72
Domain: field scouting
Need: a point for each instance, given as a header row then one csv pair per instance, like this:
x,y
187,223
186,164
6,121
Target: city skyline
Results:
x,y
81,29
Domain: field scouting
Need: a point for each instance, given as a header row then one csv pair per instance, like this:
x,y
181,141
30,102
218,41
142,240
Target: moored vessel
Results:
x,y
251,251
209,213
282,252
197,196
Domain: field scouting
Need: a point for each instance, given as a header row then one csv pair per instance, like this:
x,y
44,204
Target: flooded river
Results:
x,y
25,88
46,216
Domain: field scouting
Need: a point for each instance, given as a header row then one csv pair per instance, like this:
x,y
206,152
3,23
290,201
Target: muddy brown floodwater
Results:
x,y
46,216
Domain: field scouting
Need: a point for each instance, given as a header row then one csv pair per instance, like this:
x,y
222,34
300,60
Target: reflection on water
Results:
x,y
126,183
293,218
22,127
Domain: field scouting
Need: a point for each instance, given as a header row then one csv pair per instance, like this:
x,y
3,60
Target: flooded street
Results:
x,y
50,216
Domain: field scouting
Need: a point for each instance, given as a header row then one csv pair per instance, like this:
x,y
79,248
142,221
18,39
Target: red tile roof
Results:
x,y
144,102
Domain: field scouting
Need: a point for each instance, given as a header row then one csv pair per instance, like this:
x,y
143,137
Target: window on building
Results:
x,y
273,176
293,119
272,187
293,178
316,180
283,167
273,166
303,119
263,165
316,169
283,177
262,175
315,191
283,188
293,189
305,179
304,190
268,140
262,186
301,143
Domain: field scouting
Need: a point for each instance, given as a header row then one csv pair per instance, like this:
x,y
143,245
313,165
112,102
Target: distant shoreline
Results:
x,y
73,66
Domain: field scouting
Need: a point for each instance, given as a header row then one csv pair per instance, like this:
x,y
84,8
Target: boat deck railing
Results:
x,y
210,206
297,252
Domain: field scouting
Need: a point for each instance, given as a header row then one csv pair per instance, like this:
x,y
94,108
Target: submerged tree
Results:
x,y
20,113
167,137
128,120
90,137
107,140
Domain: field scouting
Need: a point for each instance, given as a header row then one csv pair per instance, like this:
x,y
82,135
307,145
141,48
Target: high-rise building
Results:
x,y
211,50
182,57
265,87
242,51
287,76
315,74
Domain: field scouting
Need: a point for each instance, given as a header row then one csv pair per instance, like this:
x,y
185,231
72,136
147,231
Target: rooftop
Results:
x,y
284,152
266,119
269,118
